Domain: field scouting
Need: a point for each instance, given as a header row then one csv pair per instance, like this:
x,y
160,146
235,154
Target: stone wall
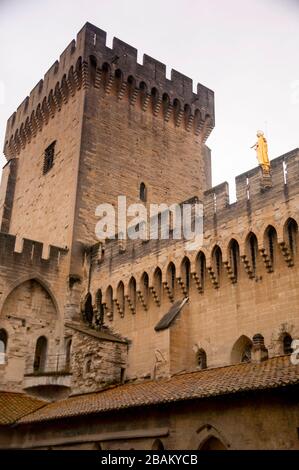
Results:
x,y
95,362
43,207
33,295
224,308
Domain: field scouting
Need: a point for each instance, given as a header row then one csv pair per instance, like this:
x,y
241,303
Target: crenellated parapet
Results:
x,y
250,188
17,252
88,62
219,216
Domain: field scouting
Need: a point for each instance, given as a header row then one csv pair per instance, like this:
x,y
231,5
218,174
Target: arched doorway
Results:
x,y
157,445
40,356
212,443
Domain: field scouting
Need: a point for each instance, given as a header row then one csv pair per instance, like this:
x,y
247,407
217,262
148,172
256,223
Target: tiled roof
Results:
x,y
171,315
273,373
14,406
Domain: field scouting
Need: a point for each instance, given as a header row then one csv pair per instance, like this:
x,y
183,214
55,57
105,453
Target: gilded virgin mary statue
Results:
x,y
261,148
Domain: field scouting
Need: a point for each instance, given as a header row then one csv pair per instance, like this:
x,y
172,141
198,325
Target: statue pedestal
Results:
x,y
266,180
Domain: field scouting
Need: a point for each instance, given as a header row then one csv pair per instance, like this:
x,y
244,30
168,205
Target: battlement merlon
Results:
x,y
29,252
91,42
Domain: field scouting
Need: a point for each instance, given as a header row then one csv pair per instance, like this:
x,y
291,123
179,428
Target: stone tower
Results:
x,y
97,126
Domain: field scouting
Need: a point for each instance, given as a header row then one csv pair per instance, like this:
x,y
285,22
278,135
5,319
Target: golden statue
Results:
x,y
261,148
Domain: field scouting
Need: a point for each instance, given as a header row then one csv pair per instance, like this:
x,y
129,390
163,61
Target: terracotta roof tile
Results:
x,y
14,406
273,373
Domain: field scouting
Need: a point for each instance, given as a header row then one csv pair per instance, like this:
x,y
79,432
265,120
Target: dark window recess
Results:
x,y
287,344
49,157
143,192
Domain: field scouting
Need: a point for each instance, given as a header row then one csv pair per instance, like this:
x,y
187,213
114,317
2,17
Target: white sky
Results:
x,y
244,50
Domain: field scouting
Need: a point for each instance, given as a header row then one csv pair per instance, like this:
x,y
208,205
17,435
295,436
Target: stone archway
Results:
x,y
28,313
212,443
207,437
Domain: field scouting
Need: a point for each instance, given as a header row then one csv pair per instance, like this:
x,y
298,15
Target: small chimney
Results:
x,y
259,352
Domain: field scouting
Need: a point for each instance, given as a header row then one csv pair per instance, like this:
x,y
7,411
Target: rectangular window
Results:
x,y
49,157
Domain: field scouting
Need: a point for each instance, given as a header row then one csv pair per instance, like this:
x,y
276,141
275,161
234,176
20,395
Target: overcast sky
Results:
x,y
245,50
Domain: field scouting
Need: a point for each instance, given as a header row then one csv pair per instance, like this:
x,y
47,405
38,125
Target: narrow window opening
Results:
x,y
186,273
287,344
218,261
88,364
291,234
201,359
68,346
132,290
122,375
271,237
100,308
143,192
234,254
49,158
252,245
158,282
40,356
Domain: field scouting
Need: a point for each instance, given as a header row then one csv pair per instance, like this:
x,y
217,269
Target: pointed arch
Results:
x,y
286,343
217,262
200,264
209,438
132,291
270,243
201,359
186,272
157,282
145,287
212,443
106,75
39,280
171,276
143,93
251,245
291,235
40,355
143,192
177,111
88,309
120,294
92,69
131,87
68,351
155,98
100,307
165,106
187,115
118,81
157,445
234,257
241,350
109,301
